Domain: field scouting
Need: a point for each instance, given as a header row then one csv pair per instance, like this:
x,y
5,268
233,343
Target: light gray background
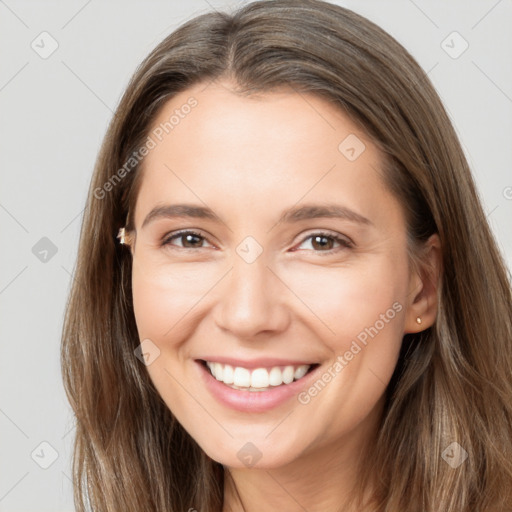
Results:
x,y
54,115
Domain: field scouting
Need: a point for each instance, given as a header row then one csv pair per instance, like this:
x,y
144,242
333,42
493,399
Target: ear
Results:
x,y
424,287
130,240
132,244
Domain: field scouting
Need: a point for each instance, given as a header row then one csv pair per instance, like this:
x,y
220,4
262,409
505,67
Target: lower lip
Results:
x,y
252,401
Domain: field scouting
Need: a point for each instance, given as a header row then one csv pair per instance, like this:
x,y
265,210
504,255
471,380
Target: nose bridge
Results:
x,y
250,301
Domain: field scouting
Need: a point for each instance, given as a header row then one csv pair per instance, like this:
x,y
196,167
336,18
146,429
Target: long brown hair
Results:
x,y
453,381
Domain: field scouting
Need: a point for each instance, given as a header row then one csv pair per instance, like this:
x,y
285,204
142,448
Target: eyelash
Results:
x,y
344,243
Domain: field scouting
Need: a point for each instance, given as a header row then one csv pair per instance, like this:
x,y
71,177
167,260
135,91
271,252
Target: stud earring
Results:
x,y
123,236
418,320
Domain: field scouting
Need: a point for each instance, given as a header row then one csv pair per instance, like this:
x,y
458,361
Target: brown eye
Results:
x,y
322,242
189,240
325,242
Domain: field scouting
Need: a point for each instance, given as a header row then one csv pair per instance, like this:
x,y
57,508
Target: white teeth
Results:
x,y
288,374
219,370
258,379
275,376
228,375
300,372
241,377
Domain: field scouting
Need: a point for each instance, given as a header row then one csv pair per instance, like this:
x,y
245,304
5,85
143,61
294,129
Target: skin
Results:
x,y
248,159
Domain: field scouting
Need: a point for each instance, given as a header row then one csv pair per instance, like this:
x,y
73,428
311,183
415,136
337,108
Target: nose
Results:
x,y
252,300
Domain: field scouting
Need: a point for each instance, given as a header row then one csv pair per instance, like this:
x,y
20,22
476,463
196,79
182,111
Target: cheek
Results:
x,y
364,310
164,296
166,302
345,301
358,315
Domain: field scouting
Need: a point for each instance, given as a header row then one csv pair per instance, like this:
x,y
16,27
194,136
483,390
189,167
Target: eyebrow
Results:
x,y
291,215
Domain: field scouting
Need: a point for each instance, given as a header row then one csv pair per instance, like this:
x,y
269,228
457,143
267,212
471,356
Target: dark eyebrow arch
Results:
x,y
291,215
169,211
313,211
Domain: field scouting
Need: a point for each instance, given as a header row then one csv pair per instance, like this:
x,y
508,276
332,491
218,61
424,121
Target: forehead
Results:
x,y
272,149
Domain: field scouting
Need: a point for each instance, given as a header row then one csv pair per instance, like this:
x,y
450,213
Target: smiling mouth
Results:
x,y
257,379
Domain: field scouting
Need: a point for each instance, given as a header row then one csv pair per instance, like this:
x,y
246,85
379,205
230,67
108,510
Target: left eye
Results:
x,y
325,241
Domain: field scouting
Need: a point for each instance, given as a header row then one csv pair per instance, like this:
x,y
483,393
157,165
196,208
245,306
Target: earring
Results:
x,y
122,235
418,320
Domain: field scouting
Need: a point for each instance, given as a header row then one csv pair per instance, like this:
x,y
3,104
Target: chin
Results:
x,y
239,454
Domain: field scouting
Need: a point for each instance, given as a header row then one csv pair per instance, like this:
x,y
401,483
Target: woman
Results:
x,y
287,295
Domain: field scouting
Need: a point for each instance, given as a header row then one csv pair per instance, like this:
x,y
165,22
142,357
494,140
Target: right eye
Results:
x,y
189,239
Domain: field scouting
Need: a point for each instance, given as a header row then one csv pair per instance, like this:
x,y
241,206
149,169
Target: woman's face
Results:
x,y
297,261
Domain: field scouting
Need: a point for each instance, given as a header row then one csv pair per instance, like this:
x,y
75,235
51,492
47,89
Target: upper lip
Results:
x,y
260,362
